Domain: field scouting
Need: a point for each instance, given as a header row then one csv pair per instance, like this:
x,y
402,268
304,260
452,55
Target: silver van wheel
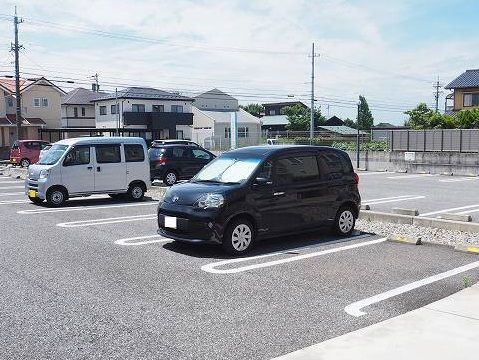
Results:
x,y
25,163
241,237
346,221
136,192
56,197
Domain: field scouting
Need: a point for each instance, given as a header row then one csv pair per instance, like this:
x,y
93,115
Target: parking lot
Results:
x,y
432,195
93,280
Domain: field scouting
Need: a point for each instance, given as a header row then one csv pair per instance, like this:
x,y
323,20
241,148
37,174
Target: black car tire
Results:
x,y
345,221
170,178
56,197
239,236
24,163
35,200
136,192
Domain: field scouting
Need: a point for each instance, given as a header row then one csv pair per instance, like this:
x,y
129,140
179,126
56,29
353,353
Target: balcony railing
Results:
x,y
157,120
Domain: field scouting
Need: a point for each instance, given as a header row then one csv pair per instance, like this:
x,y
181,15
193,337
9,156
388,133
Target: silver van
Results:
x,y
85,166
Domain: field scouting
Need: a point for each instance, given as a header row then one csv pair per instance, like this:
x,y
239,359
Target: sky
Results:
x,y
256,50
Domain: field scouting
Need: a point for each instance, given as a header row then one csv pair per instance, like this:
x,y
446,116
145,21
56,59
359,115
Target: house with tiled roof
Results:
x,y
465,92
78,109
40,107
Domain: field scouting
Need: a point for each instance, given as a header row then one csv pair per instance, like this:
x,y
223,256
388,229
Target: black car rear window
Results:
x,y
330,165
155,152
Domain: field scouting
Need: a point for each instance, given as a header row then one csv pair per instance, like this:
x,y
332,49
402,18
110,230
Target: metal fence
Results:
x,y
457,140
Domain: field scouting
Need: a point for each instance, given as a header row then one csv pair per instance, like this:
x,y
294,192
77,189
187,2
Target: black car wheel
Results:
x,y
238,237
170,178
56,197
345,221
25,163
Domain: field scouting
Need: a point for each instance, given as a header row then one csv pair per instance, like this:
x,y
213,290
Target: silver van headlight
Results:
x,y
209,201
44,174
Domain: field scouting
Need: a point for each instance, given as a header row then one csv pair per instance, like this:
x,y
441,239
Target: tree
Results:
x,y
365,118
253,109
299,118
350,123
419,117
467,119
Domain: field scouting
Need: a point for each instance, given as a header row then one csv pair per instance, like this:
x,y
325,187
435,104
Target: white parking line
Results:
x,y
7,202
105,221
354,309
10,182
211,267
467,212
132,242
374,173
412,176
82,208
392,199
458,180
449,210
12,193
11,187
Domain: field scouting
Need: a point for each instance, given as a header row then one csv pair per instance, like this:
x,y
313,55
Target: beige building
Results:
x,y
40,108
78,109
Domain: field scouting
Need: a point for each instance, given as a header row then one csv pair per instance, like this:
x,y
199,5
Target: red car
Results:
x,y
26,152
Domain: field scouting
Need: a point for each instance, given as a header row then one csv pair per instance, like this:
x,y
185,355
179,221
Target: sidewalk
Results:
x,y
446,329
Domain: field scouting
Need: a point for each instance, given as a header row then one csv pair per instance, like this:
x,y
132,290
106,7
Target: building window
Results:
x,y
138,108
243,132
177,108
36,102
44,102
471,99
10,102
115,109
102,110
272,112
227,133
158,108
82,111
75,112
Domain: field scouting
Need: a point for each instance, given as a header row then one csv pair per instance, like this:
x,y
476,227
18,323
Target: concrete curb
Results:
x,y
455,217
419,221
401,211
405,239
474,249
14,172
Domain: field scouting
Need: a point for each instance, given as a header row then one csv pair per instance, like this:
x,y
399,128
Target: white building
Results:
x,y
78,109
212,121
158,114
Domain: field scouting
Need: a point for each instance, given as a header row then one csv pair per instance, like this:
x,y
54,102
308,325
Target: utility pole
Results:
x,y
311,128
96,87
16,49
437,85
117,109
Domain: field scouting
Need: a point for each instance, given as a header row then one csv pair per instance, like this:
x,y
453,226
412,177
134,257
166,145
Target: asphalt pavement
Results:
x,y
93,280
432,195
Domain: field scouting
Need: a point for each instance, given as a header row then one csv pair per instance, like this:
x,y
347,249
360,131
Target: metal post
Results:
x,y
357,140
117,109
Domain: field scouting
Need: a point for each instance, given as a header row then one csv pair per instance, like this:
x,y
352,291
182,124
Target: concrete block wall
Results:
x,y
453,163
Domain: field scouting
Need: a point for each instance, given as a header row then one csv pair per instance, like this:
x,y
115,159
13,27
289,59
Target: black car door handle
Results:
x,y
278,193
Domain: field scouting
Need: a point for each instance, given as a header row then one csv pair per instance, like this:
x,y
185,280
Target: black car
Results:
x,y
173,162
263,191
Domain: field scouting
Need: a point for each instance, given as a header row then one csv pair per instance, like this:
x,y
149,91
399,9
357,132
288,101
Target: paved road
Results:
x,y
432,195
85,289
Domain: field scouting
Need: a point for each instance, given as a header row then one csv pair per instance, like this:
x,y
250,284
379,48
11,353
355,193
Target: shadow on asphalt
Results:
x,y
86,201
280,244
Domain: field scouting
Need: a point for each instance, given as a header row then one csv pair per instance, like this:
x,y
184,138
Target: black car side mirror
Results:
x,y
261,181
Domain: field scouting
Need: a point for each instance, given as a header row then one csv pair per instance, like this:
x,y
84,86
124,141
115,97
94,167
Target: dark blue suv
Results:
x,y
173,162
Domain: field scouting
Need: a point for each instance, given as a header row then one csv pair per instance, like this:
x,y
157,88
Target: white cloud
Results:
x,y
346,33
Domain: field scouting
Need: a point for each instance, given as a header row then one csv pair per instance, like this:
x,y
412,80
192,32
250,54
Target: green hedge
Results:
x,y
370,145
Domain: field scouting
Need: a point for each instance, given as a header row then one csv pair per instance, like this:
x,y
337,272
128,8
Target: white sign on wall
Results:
x,y
410,156
234,129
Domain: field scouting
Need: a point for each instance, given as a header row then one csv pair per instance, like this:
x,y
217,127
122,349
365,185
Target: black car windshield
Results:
x,y
228,170
53,155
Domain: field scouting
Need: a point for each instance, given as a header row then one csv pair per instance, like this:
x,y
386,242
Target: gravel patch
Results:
x,y
432,235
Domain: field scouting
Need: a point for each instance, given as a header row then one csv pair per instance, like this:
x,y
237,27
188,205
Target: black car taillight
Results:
x,y
356,178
